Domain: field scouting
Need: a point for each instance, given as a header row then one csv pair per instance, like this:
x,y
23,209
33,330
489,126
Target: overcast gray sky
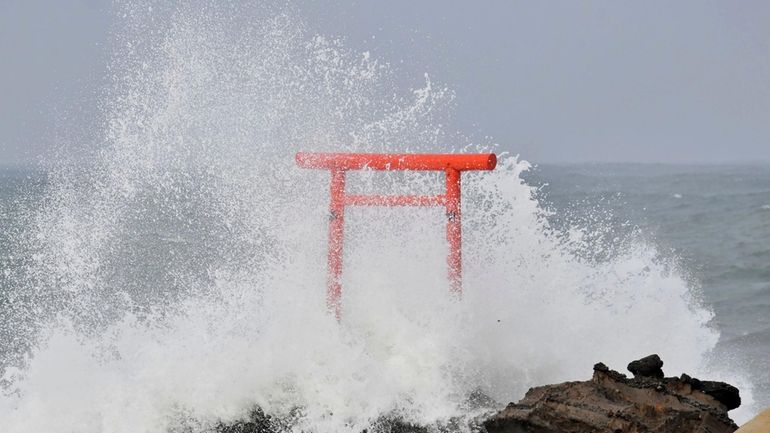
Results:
x,y
653,81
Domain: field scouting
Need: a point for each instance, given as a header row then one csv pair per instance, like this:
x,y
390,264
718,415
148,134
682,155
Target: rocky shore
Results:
x,y
613,403
610,402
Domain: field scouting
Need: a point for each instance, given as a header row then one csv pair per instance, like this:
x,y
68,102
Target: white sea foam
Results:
x,y
184,272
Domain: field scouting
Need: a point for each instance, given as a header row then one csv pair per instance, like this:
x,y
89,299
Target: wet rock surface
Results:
x,y
610,402
613,403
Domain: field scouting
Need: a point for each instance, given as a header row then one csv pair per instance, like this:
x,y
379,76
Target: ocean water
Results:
x,y
710,223
166,271
714,220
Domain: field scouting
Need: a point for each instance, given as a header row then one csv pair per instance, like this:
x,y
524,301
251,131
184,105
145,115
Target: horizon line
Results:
x,y
737,162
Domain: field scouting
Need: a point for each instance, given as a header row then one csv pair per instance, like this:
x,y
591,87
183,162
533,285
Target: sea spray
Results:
x,y
178,278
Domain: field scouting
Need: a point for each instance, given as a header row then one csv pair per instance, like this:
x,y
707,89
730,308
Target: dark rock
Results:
x,y
257,422
722,392
613,403
600,367
608,403
690,380
649,366
388,425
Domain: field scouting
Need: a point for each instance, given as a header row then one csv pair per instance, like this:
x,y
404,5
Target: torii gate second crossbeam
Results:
x,y
339,163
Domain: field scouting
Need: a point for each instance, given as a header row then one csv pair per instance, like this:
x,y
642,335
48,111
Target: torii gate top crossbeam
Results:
x,y
397,161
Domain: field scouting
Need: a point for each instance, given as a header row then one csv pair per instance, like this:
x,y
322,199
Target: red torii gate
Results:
x,y
339,163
